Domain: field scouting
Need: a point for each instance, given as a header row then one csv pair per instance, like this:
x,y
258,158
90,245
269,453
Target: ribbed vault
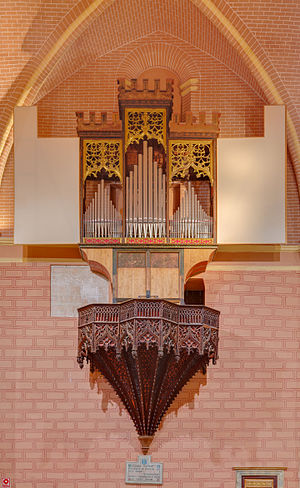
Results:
x,y
158,54
81,33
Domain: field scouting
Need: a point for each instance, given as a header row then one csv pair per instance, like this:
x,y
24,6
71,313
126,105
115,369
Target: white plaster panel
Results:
x,y
251,185
46,184
73,287
25,123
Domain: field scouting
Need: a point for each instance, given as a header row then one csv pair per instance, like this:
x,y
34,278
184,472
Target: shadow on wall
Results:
x,y
186,396
109,396
235,401
236,412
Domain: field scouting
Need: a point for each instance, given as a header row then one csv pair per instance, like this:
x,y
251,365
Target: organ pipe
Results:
x,y
190,220
145,207
101,218
145,198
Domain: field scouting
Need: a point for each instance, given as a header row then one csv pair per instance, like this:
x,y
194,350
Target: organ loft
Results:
x,y
148,200
148,221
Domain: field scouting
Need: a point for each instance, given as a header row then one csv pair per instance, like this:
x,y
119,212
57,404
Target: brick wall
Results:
x,y
292,205
269,30
58,431
7,195
94,87
31,31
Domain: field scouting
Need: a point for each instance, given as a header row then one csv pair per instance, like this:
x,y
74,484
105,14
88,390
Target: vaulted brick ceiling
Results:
x,y
44,42
180,20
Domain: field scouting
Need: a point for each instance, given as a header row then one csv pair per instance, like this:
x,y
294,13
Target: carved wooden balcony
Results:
x,y
147,349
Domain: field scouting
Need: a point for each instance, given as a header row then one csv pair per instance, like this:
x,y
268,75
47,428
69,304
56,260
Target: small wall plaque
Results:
x,y
144,472
259,477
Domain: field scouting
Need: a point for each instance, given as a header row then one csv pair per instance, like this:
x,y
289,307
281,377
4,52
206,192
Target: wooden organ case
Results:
x,y
148,183
147,224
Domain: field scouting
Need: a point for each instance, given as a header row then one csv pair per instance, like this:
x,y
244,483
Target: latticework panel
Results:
x,y
102,155
141,123
186,156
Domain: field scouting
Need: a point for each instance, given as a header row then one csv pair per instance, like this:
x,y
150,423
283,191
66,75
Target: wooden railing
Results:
x,y
153,322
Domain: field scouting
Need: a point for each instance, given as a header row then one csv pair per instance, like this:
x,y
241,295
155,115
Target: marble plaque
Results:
x,y
144,472
75,286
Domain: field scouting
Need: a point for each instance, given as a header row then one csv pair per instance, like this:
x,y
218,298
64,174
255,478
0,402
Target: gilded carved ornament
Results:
x,y
102,154
141,123
187,154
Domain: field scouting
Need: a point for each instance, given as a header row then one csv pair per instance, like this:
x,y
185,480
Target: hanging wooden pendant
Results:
x,y
147,350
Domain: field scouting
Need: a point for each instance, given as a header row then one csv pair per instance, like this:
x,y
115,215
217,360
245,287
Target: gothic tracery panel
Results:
x,y
143,123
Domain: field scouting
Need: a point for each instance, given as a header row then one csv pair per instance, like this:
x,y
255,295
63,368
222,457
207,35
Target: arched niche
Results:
x,y
194,291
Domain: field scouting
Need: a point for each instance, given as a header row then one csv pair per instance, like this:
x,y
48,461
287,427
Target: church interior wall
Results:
x,y
62,427
7,197
96,86
66,427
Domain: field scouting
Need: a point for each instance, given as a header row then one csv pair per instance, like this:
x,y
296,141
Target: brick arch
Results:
x,y
218,31
256,58
31,77
158,55
92,45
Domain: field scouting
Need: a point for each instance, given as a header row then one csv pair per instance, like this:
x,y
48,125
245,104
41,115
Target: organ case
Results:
x,y
147,177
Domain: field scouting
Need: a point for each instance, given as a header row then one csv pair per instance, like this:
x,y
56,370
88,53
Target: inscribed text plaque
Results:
x,y
143,472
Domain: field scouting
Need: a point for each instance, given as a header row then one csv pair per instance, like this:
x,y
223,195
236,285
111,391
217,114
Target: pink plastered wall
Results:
x,y
59,431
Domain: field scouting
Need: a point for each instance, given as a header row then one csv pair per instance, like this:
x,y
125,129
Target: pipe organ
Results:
x,y
147,176
190,220
147,213
145,197
101,218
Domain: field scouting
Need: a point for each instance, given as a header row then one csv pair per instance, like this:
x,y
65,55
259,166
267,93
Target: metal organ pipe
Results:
x,y
135,199
145,207
131,199
145,198
150,192
101,218
145,186
139,193
190,220
127,205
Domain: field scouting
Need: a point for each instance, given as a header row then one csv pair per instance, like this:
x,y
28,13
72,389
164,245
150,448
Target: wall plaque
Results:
x,y
259,477
144,472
